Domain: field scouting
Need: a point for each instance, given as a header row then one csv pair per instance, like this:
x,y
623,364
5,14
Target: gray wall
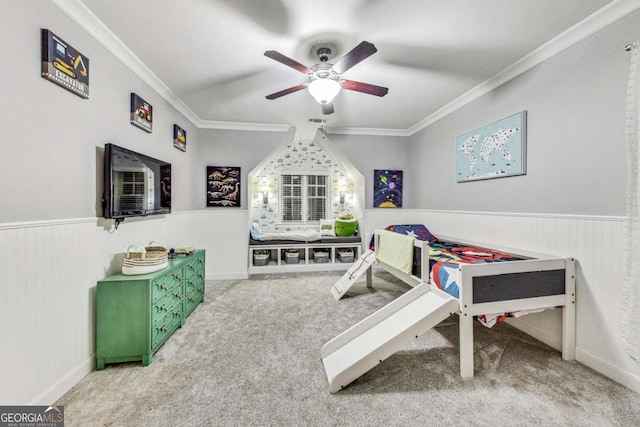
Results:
x,y
378,152
576,159
248,148
51,159
233,148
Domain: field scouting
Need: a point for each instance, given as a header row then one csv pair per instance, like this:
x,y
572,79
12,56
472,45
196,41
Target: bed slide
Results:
x,y
354,272
372,340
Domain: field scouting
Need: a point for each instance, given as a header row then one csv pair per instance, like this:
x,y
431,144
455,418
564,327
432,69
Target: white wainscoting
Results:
x,y
595,242
48,275
49,270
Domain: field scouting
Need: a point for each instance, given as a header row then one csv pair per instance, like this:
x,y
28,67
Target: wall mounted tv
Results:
x,y
134,184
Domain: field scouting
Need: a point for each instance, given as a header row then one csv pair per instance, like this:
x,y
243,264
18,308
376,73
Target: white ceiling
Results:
x,y
210,53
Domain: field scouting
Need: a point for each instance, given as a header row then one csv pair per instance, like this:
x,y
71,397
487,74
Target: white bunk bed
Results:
x,y
534,281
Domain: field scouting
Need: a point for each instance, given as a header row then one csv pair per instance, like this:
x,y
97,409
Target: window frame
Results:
x,y
305,196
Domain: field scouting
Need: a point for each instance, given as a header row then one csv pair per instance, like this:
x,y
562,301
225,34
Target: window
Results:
x,y
132,190
304,198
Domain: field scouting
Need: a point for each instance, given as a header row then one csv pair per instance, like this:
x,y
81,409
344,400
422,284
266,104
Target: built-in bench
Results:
x,y
279,256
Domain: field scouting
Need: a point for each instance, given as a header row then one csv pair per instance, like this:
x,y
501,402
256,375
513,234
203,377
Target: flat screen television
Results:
x,y
134,184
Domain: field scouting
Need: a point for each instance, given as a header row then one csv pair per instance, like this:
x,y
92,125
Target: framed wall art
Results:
x,y
387,188
223,186
141,113
179,138
63,65
493,151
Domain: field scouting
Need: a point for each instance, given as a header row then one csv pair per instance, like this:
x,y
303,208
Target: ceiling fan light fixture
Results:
x,y
324,90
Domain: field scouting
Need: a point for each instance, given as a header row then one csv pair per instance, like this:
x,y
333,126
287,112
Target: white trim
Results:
x,y
368,131
68,221
614,218
617,374
257,127
64,384
238,275
46,223
82,16
583,29
100,220
541,334
304,207
89,22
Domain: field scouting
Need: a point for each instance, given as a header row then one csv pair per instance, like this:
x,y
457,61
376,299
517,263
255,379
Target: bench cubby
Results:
x,y
290,256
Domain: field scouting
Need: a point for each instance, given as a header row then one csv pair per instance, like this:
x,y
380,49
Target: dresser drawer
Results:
x,y
195,267
165,325
192,300
160,307
193,283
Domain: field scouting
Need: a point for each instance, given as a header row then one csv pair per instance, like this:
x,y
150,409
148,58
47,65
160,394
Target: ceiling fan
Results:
x,y
325,79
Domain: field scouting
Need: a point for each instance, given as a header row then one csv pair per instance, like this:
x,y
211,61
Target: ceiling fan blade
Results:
x,y
365,87
327,108
288,61
287,91
356,55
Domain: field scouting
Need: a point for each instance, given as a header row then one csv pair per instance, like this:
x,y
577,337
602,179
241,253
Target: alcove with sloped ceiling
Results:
x,y
300,155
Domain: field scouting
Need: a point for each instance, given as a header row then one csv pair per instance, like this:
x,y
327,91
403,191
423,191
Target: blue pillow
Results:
x,y
255,230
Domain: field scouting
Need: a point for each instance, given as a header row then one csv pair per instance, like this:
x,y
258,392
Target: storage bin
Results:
x,y
320,255
260,257
345,255
291,256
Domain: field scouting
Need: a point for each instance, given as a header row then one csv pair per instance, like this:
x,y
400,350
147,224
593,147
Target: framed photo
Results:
x,y
141,113
63,65
493,151
387,188
179,138
223,186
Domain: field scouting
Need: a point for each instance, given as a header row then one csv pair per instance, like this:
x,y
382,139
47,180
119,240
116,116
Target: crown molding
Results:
x,y
264,127
88,21
583,29
367,131
81,15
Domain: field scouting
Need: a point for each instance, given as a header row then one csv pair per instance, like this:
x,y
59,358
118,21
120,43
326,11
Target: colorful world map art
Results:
x,y
492,151
387,188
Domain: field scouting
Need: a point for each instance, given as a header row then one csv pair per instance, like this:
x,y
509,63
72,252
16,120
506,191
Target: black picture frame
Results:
x,y
223,186
179,138
141,113
387,188
64,65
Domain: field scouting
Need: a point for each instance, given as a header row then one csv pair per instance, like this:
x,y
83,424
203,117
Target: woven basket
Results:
x,y
140,259
155,250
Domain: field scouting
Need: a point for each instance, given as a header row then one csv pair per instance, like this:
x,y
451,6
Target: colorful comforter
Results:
x,y
444,259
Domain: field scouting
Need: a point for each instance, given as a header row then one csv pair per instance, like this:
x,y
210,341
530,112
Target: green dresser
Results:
x,y
136,314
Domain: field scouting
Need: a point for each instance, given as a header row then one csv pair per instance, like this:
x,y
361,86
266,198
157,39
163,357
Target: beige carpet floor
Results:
x,y
250,356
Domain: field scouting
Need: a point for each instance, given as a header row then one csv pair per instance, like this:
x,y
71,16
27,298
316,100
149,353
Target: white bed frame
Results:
x,y
534,265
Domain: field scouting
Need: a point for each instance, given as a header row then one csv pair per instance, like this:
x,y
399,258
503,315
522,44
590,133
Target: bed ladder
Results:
x,y
372,340
354,272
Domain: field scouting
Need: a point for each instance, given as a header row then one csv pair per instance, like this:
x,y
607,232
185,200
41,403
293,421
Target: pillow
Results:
x,y
418,231
255,230
327,227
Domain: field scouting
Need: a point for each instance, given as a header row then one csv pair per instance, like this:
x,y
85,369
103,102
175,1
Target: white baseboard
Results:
x,y
240,275
617,374
64,384
536,332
